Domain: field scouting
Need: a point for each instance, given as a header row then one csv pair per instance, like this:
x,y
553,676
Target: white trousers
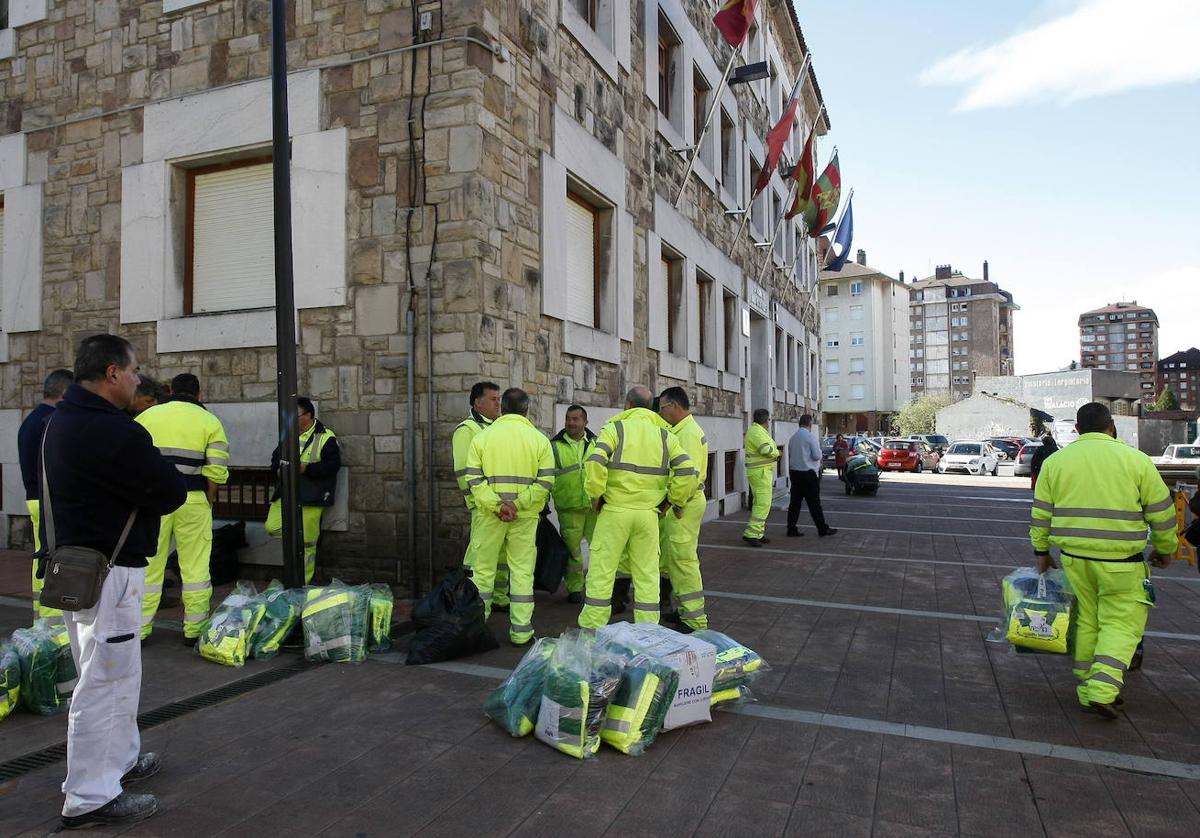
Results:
x,y
102,734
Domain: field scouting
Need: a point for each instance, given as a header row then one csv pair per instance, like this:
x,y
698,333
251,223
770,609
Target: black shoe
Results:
x,y
123,809
764,540
190,642
147,765
829,531
1105,711
753,542
795,534
575,597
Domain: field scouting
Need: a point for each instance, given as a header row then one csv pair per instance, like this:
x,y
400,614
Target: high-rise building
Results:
x,y
1121,336
864,326
1181,372
961,328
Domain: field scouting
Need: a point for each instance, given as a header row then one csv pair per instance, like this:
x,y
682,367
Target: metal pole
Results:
x,y
285,307
737,237
410,465
712,109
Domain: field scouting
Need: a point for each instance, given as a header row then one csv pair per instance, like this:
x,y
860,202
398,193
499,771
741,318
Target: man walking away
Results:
x,y
804,469
29,440
1095,499
638,469
485,408
510,470
194,440
576,518
100,467
679,539
761,455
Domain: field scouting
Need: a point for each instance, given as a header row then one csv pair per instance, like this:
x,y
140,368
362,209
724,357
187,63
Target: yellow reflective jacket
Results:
x,y
511,460
637,462
1095,499
761,450
691,437
465,432
191,438
569,456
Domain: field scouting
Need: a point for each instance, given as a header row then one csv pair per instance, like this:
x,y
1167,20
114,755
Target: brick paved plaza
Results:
x,y
886,712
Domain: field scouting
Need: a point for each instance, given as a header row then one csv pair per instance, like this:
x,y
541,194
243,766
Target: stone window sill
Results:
x,y
8,43
706,375
179,5
673,366
586,342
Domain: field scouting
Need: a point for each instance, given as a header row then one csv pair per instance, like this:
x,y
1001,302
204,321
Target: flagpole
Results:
x,y
841,218
712,109
778,226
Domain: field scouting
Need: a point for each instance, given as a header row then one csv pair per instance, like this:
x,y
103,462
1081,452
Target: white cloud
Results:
x,y
1102,47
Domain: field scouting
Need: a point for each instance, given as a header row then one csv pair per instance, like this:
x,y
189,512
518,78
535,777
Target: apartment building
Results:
x,y
961,328
1181,372
1121,336
865,338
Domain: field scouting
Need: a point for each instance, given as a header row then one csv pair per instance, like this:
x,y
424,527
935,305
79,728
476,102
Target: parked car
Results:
x,y
906,455
1181,455
1006,447
1025,458
937,442
970,457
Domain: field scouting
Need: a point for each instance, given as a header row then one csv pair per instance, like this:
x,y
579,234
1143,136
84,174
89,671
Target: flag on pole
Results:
x,y
804,173
843,238
826,195
778,135
734,19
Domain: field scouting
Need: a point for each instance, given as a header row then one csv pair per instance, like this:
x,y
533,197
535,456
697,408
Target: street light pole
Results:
x,y
285,306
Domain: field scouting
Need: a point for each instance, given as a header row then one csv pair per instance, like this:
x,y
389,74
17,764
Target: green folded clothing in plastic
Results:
x,y
10,678
281,610
226,637
47,668
731,696
580,682
737,665
515,703
381,604
336,621
640,705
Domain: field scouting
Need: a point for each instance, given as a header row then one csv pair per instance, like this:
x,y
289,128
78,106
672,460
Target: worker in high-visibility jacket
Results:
x,y
637,470
679,540
186,434
485,408
761,455
1094,501
320,462
576,518
510,470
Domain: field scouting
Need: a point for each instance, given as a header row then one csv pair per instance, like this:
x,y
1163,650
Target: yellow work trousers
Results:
x,y
1111,607
51,614
191,525
500,583
619,530
311,516
575,525
680,554
762,489
514,542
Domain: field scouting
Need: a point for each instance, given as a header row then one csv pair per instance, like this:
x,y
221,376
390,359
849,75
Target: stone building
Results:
x,y
481,189
1121,336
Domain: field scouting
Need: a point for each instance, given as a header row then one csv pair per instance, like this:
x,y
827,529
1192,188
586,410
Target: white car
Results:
x,y
1181,455
970,457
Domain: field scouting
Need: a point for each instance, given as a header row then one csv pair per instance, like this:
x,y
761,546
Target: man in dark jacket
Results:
x,y
1048,447
100,467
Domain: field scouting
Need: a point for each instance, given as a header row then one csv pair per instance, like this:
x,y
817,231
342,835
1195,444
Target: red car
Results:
x,y
906,455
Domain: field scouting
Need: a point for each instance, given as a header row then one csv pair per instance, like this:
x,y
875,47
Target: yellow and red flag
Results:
x,y
804,173
734,19
826,195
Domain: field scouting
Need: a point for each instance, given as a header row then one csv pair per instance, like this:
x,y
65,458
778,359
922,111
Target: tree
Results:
x,y
1166,401
919,416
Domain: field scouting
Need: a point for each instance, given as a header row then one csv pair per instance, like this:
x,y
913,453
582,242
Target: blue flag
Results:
x,y
843,237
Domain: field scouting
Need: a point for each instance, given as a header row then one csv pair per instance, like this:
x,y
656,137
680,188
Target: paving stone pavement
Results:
x,y
885,712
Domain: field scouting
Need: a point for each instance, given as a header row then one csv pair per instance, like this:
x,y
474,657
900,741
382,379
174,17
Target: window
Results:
x,y
730,471
756,210
230,255
704,290
728,153
668,59
710,474
856,312
700,92
831,315
781,359
587,11
856,289
585,274
858,365
831,341
831,290
832,366
856,338
857,391
731,335
672,266
833,391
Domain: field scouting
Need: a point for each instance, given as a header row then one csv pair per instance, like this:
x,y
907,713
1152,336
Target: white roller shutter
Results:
x,y
233,256
581,262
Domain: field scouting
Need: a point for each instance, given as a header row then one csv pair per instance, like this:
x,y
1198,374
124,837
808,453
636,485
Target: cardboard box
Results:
x,y
693,659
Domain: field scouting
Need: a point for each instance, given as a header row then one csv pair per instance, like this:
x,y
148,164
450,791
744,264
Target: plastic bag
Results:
x,y
514,704
381,603
731,697
10,678
580,681
335,620
1037,611
226,637
638,709
736,666
450,622
552,557
281,610
47,668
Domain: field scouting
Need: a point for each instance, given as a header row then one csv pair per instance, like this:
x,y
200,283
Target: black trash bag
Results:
x,y
552,557
449,621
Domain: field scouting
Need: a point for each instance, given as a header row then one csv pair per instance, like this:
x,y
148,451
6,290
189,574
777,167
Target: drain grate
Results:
x,y
56,753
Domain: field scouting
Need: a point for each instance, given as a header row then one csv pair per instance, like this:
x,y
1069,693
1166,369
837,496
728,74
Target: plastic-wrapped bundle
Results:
x,y
580,681
381,603
281,610
1037,611
514,704
637,711
10,678
47,669
335,620
737,665
227,636
731,696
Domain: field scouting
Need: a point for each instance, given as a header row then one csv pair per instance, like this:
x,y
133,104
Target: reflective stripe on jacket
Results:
x,y
510,461
191,438
1095,499
466,431
692,439
569,456
637,461
761,450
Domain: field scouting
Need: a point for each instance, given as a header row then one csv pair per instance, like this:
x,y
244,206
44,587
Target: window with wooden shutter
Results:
x,y
582,262
704,295
1,242
231,255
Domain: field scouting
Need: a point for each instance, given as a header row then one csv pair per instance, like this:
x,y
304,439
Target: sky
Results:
x,y
1059,140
